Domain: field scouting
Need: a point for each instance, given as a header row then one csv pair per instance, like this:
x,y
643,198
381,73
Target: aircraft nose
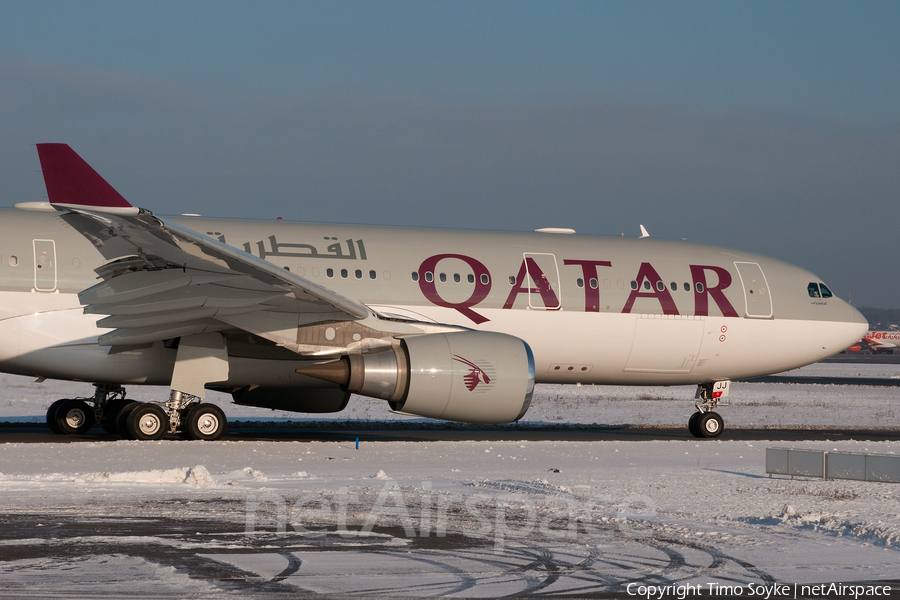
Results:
x,y
860,322
860,318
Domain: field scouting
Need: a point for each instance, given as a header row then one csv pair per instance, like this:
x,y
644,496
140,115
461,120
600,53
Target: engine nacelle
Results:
x,y
470,376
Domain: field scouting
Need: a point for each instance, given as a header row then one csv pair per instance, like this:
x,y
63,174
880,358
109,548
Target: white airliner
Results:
x,y
882,341
446,324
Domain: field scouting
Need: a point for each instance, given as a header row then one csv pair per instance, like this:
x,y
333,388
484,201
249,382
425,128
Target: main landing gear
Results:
x,y
182,414
706,423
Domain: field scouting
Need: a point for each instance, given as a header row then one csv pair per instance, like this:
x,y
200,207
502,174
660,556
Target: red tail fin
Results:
x,y
72,183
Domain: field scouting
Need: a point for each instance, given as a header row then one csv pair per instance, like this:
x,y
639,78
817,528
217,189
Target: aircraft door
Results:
x,y
542,273
44,265
756,290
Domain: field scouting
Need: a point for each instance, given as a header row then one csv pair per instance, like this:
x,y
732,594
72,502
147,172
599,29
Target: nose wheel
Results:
x,y
706,423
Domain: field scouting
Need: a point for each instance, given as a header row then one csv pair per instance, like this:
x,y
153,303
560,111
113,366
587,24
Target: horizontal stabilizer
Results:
x,y
72,183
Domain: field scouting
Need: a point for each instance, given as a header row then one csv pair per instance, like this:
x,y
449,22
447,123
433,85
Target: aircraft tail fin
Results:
x,y
72,183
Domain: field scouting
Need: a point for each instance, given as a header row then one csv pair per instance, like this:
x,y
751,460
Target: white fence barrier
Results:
x,y
833,465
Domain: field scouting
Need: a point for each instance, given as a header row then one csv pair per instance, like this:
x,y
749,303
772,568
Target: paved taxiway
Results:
x,y
325,431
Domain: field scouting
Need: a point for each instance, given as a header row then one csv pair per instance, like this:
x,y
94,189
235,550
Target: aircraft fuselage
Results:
x,y
593,309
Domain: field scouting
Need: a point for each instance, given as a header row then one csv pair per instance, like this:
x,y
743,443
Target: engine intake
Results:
x,y
470,376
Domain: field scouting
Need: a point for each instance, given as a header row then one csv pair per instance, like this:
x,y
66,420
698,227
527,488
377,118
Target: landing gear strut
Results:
x,y
182,414
193,419
706,423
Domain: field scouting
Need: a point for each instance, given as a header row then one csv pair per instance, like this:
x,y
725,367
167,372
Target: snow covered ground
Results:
x,y
468,519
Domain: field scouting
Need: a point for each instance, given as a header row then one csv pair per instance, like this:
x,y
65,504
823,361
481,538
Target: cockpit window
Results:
x,y
818,290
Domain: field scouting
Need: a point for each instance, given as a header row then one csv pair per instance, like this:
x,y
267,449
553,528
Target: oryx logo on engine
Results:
x,y
476,374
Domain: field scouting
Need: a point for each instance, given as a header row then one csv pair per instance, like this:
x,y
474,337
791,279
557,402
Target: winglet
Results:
x,y
644,233
72,183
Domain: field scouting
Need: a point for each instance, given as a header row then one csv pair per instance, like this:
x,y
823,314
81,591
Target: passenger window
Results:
x,y
593,283
344,273
443,277
826,293
484,278
456,278
372,275
813,290
429,276
470,278
415,275
358,274
634,284
687,286
647,285
512,280
699,288
660,286
329,272
579,282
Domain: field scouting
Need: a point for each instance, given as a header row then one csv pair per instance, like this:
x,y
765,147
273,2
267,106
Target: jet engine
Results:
x,y
470,376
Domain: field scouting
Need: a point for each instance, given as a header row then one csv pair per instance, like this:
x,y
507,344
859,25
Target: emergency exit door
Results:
x,y
44,265
542,281
756,290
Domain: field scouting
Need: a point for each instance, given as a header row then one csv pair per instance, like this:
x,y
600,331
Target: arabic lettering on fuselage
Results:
x,y
346,250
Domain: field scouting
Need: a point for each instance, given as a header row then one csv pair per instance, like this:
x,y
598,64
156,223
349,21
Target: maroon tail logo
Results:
x,y
475,376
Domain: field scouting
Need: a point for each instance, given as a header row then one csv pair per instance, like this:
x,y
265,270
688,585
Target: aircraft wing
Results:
x,y
163,280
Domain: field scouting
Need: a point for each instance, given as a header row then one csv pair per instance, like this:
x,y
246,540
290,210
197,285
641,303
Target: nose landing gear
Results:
x,y
706,423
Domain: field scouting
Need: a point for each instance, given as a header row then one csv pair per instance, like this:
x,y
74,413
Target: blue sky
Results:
x,y
772,127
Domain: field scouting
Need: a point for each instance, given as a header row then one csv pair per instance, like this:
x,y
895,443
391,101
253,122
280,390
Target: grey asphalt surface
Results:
x,y
337,431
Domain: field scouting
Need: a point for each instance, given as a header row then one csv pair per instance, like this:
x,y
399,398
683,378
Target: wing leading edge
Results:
x,y
163,280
